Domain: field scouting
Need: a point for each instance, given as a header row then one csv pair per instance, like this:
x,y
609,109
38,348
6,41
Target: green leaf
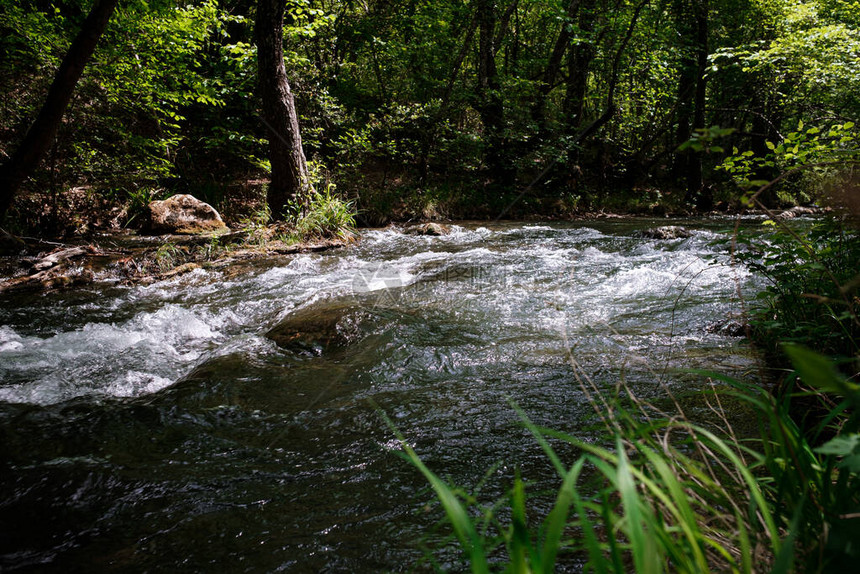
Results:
x,y
819,371
841,445
852,463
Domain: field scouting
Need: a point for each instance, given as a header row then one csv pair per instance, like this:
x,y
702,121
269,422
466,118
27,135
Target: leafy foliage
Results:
x,y
811,296
814,152
390,96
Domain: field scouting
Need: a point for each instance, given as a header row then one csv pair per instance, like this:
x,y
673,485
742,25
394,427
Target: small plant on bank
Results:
x,y
325,216
167,256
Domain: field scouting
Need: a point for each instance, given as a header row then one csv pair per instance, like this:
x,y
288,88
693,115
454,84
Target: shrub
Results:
x,y
811,296
326,216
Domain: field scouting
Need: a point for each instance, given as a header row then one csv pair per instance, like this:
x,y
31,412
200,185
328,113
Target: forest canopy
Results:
x,y
448,108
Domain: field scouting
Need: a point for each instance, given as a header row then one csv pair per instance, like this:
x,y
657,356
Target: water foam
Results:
x,y
139,356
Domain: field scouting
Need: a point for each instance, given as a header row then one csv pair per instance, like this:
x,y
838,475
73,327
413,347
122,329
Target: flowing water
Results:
x,y
158,428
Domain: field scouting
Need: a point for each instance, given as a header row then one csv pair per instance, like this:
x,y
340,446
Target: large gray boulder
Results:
x,y
184,214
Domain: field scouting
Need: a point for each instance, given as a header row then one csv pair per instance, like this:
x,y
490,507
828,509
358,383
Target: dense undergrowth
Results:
x,y
664,493
811,296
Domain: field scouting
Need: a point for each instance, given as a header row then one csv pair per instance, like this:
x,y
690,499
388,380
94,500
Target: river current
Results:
x,y
158,428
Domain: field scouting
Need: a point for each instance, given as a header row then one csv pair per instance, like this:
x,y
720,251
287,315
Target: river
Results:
x,y
157,428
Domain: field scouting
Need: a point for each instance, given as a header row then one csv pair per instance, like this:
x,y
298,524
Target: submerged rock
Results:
x,y
728,328
319,327
184,214
434,229
797,211
665,232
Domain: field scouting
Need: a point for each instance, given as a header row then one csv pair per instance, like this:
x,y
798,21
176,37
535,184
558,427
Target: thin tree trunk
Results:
x,y
504,23
695,185
765,118
578,67
430,135
290,180
577,84
43,131
692,85
490,105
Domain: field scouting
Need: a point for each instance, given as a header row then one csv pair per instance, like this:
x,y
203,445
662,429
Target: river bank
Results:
x,y
127,256
130,258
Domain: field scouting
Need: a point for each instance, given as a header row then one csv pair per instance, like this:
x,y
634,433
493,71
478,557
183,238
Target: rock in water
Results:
x,y
184,214
320,327
434,229
797,211
665,232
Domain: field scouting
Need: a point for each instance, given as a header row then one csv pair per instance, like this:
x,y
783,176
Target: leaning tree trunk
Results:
x,y
290,181
553,70
43,131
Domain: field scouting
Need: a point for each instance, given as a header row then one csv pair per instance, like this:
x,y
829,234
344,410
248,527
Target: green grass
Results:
x,y
325,216
667,495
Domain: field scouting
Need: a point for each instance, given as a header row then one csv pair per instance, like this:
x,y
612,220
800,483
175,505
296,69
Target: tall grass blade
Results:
x,y
646,554
463,526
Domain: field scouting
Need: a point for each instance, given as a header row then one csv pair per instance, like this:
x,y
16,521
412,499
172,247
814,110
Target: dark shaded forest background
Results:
x,y
441,109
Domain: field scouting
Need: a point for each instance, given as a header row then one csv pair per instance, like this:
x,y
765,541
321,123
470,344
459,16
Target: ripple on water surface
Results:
x,y
158,428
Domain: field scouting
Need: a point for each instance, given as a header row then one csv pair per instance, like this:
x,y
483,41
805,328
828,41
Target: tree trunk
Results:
x,y
43,131
578,68
692,86
695,184
553,68
290,180
490,105
768,115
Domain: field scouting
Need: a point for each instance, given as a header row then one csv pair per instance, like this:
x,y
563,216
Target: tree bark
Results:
x,y
695,183
692,85
578,67
490,105
290,180
41,134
